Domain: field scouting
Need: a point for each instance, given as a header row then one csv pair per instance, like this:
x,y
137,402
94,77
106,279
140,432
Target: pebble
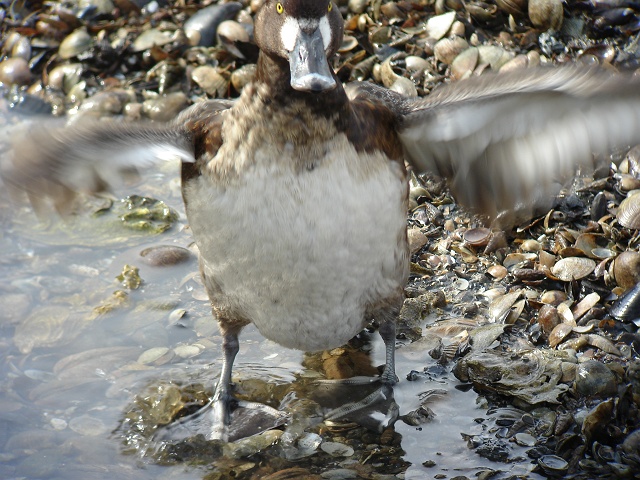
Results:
x,y
87,425
339,474
15,71
337,449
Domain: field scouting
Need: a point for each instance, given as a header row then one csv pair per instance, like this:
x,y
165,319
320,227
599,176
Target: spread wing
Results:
x,y
507,142
48,159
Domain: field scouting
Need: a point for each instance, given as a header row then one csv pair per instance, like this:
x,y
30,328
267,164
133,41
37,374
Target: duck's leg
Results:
x,y
387,330
222,398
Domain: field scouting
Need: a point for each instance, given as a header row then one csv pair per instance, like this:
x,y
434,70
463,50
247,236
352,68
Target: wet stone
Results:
x,y
594,379
165,255
87,425
339,474
525,440
337,449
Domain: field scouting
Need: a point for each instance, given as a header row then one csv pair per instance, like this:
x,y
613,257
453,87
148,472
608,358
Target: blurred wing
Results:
x,y
505,141
47,159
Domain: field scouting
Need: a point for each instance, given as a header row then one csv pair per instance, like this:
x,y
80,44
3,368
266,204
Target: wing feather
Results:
x,y
49,159
507,142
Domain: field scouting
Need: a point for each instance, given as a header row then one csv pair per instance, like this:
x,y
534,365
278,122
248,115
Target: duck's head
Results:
x,y
304,33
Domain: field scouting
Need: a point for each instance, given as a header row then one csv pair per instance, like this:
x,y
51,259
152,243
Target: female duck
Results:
x,y
297,193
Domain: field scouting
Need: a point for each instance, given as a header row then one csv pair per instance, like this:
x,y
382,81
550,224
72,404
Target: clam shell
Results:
x,y
573,268
553,465
152,38
208,78
232,31
548,318
438,26
516,63
15,71
164,108
243,76
518,260
477,237
415,63
75,43
358,6
553,297
546,14
586,304
165,255
531,245
464,64
17,46
626,269
405,87
512,7
498,272
493,55
64,77
629,212
417,239
559,333
447,49
348,44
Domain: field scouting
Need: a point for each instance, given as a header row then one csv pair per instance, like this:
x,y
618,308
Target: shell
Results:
x,y
546,14
164,108
152,38
512,7
494,56
208,78
447,49
531,245
464,64
15,71
243,76
358,6
477,237
201,27
498,272
438,26
553,465
64,77
17,46
629,212
586,304
553,297
548,318
627,307
573,268
626,269
559,333
75,43
232,31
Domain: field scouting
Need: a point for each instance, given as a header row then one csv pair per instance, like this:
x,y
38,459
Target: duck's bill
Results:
x,y
310,71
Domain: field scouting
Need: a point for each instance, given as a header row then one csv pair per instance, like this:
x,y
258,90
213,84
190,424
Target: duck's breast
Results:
x,y
302,253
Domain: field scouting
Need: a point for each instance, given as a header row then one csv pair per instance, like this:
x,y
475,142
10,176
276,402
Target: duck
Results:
x,y
297,191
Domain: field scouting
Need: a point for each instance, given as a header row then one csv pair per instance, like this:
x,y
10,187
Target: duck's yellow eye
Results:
x,y
330,7
279,8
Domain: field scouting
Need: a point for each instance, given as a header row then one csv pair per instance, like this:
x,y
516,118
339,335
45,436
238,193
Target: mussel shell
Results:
x,y
202,26
627,307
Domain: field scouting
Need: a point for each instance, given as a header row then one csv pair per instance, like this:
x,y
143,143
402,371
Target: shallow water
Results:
x,y
68,371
